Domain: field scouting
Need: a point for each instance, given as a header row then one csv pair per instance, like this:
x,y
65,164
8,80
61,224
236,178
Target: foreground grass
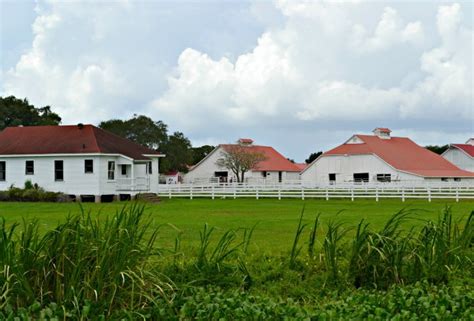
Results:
x,y
115,267
274,220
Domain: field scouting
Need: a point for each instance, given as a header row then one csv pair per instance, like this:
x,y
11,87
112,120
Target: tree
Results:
x,y
179,153
200,152
140,129
437,149
312,157
240,159
16,112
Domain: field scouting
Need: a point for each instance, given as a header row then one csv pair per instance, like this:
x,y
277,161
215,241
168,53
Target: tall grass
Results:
x,y
114,267
82,260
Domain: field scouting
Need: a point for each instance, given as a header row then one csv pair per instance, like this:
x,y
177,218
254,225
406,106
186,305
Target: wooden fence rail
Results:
x,y
301,192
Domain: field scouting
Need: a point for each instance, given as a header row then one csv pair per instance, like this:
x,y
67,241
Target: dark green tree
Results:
x,y
140,129
179,153
200,152
312,157
438,149
16,112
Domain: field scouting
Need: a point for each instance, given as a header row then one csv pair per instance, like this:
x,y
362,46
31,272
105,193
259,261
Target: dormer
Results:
x,y
245,141
383,133
470,141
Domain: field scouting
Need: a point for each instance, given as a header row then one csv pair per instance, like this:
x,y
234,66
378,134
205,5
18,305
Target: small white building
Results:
x,y
82,161
381,158
275,168
461,155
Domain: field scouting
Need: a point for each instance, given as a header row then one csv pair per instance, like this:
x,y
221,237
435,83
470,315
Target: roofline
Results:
x,y
391,166
462,150
66,155
154,155
206,157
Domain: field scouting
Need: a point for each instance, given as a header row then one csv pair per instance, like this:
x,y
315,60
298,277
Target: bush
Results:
x,y
31,193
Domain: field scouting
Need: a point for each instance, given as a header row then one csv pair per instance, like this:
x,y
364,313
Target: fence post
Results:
x,y
302,193
352,194
457,194
403,194
212,191
191,192
327,194
234,192
279,192
429,194
169,192
256,192
376,194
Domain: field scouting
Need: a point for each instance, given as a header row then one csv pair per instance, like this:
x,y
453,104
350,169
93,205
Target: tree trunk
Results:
x,y
243,176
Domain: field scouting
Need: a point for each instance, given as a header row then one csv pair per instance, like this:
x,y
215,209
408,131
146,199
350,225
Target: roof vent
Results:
x,y
80,125
245,141
470,141
383,133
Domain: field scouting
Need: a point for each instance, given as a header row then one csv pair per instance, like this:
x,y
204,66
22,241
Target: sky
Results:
x,y
299,76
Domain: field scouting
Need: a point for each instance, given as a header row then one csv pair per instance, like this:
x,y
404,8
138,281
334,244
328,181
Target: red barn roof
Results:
x,y
274,162
468,149
85,139
402,154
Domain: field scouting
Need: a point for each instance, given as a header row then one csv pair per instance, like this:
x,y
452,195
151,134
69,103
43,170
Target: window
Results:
x,y
456,179
332,177
30,167
150,168
361,177
111,171
58,170
3,171
124,170
88,166
444,179
384,177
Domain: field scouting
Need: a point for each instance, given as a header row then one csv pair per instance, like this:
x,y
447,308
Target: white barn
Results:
x,y
381,158
275,168
82,161
461,155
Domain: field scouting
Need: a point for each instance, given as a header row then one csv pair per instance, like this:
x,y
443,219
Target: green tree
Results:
x,y
200,152
312,157
438,149
16,112
140,129
179,153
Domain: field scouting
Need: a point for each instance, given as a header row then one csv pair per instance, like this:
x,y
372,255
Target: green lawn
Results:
x,y
276,220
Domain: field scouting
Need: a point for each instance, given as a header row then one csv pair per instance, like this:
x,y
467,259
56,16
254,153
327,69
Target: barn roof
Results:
x,y
73,139
466,148
274,162
402,154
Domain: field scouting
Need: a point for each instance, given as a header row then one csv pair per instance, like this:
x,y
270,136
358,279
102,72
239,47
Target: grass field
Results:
x,y
275,220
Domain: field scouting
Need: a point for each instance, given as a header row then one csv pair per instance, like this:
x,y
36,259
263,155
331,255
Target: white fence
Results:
x,y
302,191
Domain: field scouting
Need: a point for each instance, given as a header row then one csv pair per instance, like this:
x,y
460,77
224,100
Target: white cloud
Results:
x,y
318,67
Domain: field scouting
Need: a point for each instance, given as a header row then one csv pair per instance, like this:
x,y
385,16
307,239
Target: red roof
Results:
x,y
274,162
402,154
33,140
302,166
468,149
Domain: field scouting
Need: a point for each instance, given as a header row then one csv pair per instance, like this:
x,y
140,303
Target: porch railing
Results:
x,y
138,184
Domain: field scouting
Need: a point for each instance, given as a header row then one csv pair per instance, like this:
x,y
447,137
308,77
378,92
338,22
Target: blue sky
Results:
x,y
301,76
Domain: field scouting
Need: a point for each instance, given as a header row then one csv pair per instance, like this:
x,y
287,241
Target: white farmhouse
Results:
x,y
275,168
461,155
82,161
381,158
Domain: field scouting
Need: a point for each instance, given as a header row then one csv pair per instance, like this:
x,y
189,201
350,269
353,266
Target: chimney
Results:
x,y
383,133
470,141
245,141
